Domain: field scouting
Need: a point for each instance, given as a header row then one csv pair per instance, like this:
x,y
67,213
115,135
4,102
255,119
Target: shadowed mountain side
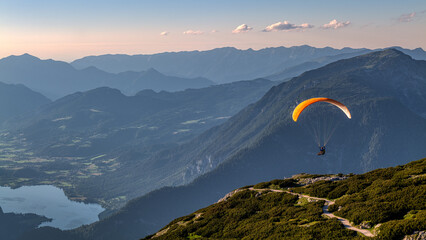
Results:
x,y
17,99
56,79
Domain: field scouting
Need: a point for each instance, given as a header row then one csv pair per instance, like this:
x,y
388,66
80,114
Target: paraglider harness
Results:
x,y
322,151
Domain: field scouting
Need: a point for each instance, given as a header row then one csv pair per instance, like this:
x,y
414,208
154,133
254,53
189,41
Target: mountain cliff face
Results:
x,y
262,142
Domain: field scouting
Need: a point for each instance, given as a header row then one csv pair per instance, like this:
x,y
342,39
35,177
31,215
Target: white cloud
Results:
x,y
334,24
242,29
164,33
214,31
407,17
286,26
192,32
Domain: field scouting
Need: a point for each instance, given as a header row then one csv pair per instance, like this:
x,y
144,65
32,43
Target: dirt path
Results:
x,y
327,203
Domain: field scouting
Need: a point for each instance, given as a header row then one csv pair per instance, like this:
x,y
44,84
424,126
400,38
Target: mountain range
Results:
x,y
384,92
231,64
183,70
161,116
102,127
56,79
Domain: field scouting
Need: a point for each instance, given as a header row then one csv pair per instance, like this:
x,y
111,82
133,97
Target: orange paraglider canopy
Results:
x,y
299,109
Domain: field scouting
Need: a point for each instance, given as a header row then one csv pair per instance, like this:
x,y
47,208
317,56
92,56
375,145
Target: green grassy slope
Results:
x,y
392,197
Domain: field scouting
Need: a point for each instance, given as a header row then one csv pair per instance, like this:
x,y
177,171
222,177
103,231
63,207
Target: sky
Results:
x,y
68,30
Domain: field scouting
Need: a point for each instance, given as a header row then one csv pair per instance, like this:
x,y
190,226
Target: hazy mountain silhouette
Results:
x,y
228,64
262,142
220,64
17,99
56,79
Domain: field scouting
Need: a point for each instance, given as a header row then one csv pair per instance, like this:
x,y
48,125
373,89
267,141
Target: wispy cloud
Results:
x,y
192,32
214,31
242,29
164,33
407,17
334,24
286,26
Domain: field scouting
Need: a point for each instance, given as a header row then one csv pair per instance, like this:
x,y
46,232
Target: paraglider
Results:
x,y
321,130
322,151
299,109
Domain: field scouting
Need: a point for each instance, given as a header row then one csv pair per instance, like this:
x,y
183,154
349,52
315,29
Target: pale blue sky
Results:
x,y
66,30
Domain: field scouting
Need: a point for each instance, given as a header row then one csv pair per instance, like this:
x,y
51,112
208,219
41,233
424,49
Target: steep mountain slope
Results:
x,y
387,201
221,64
18,99
56,79
262,142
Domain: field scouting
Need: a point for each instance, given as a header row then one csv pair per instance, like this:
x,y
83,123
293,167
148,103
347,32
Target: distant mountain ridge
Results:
x,y
229,64
56,79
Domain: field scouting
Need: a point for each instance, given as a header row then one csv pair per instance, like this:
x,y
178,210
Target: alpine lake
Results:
x,y
29,184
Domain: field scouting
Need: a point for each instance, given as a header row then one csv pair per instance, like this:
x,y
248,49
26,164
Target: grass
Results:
x,y
191,121
99,156
193,236
109,160
302,201
410,215
65,184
